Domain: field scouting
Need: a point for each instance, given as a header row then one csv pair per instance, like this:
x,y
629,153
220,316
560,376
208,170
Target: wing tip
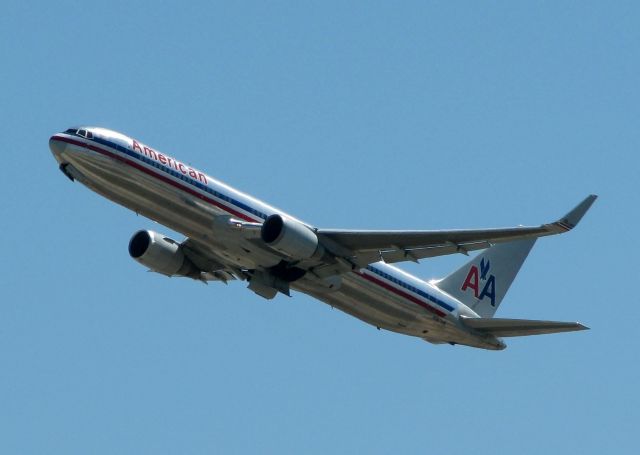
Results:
x,y
571,219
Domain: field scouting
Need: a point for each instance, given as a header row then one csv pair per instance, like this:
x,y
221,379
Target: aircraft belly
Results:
x,y
384,312
377,306
141,193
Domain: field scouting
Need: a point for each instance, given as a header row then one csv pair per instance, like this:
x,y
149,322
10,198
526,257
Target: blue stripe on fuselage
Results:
x,y
181,176
410,287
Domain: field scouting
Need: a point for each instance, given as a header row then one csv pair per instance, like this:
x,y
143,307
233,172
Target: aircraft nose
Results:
x,y
57,147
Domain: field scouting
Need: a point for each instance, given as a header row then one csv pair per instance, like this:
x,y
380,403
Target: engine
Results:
x,y
291,238
161,254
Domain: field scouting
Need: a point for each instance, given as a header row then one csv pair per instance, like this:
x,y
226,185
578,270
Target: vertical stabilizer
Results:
x,y
482,283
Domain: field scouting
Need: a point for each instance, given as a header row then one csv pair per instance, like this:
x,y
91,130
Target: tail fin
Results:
x,y
482,283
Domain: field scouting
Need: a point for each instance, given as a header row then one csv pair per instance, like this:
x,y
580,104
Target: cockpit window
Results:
x,y
80,132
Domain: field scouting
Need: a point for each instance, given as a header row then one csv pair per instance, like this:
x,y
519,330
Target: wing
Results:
x,y
212,266
520,327
365,247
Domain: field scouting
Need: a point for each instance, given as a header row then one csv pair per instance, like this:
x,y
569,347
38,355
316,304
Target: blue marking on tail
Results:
x,y
484,268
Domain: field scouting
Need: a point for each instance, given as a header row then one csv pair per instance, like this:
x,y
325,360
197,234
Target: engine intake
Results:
x,y
161,254
291,238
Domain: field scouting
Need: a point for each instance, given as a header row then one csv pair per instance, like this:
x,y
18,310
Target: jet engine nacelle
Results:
x,y
161,254
291,238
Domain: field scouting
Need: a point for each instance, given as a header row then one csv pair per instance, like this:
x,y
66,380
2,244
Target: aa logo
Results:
x,y
478,278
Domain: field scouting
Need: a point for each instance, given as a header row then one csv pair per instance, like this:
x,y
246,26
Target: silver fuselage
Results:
x,y
188,201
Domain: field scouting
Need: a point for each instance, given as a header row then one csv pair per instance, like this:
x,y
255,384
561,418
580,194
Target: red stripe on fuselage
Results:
x,y
401,293
158,176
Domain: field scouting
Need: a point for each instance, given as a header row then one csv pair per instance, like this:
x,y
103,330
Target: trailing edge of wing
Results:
x,y
397,246
520,327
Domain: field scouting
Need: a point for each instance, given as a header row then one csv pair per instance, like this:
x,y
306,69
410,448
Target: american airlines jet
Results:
x,y
233,236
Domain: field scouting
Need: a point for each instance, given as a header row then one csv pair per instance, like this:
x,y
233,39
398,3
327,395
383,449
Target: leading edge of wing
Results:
x,y
399,245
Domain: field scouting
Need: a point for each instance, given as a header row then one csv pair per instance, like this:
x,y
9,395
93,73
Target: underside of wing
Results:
x,y
396,246
520,327
211,265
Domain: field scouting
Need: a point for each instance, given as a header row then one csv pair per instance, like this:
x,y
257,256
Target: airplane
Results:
x,y
233,236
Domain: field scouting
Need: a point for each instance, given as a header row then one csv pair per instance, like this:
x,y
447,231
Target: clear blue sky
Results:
x,y
346,114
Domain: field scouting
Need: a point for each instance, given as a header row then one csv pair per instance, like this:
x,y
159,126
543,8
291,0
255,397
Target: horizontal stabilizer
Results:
x,y
520,327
